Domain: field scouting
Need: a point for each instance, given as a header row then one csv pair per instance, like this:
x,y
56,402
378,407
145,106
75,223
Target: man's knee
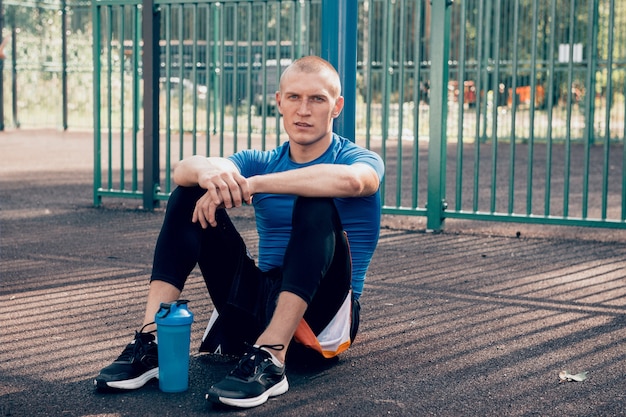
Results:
x,y
184,198
314,210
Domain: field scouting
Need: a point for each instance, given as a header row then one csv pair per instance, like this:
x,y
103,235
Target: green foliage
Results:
x,y
36,30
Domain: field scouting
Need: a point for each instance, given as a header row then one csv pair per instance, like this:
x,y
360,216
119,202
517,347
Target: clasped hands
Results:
x,y
224,190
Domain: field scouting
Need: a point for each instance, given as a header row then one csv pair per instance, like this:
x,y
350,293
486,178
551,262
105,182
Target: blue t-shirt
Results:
x,y
360,216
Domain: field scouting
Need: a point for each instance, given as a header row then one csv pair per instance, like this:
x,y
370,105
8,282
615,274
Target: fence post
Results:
x,y
440,46
339,38
150,60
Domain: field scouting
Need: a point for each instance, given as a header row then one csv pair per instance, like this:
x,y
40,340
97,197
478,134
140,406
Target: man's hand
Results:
x,y
225,189
225,186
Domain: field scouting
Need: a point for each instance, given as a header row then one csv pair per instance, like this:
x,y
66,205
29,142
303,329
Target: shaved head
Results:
x,y
314,64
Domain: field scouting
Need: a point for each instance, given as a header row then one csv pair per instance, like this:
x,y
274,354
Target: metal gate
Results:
x,y
475,115
545,112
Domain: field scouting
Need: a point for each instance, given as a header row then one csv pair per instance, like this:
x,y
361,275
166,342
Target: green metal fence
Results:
x,y
475,115
546,120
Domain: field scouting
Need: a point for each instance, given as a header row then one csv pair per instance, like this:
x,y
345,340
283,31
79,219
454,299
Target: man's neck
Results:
x,y
307,153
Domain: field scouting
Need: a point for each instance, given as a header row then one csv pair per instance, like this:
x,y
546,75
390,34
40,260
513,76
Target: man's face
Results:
x,y
308,103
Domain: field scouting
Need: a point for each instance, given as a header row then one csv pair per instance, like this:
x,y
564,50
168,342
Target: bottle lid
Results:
x,y
174,313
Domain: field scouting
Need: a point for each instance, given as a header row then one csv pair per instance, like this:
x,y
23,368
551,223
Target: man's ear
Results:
x,y
338,107
278,97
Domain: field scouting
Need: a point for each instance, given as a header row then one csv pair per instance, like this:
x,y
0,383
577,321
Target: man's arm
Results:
x,y
323,180
225,186
197,169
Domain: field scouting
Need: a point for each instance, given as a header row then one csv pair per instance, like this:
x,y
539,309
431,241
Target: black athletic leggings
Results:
x,y
317,265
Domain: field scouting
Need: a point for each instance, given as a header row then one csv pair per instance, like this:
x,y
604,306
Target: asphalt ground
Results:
x,y
478,320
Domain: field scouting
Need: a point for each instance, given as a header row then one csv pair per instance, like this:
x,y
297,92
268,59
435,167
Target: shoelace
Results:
x,y
130,352
247,366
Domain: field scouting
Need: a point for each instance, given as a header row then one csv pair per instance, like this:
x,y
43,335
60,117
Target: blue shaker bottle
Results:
x,y
173,322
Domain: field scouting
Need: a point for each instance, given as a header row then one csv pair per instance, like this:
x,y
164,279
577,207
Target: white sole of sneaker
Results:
x,y
135,383
278,389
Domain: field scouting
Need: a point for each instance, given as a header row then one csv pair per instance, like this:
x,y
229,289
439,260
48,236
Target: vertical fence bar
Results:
x,y
250,92
166,12
440,46
495,84
263,76
278,55
208,73
515,62
298,28
486,61
14,100
552,40
220,25
367,70
568,135
417,90
121,19
64,93
213,53
194,79
623,212
136,93
400,113
531,121
180,9
151,65
292,32
235,83
623,216
109,105
592,56
607,115
385,85
480,53
97,104
460,142
387,75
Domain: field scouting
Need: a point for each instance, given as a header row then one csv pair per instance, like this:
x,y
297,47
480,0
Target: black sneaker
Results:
x,y
256,378
137,365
